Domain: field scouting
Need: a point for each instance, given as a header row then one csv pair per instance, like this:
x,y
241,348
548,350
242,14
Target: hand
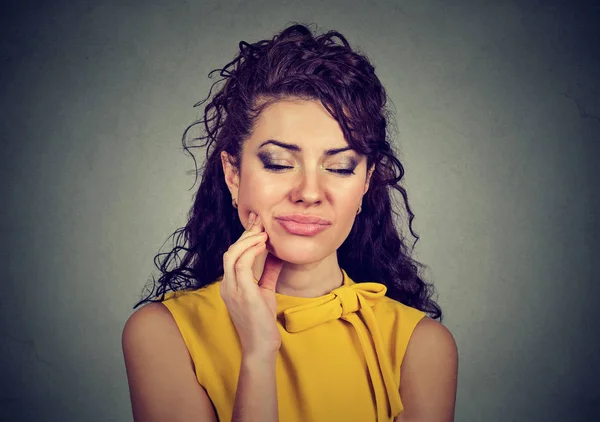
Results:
x,y
252,307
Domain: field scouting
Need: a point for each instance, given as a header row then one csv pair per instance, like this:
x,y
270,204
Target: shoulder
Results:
x,y
401,320
431,346
429,373
160,369
146,314
185,317
169,319
430,336
190,307
153,321
208,292
151,338
389,305
152,327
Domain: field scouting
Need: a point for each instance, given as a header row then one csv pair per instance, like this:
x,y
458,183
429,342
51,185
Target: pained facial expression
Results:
x,y
286,169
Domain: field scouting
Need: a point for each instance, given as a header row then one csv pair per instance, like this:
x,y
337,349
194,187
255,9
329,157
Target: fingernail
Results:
x,y
251,219
257,220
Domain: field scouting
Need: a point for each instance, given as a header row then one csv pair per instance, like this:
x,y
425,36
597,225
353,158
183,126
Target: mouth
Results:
x,y
302,229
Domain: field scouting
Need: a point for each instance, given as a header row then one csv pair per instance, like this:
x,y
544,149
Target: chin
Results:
x,y
298,255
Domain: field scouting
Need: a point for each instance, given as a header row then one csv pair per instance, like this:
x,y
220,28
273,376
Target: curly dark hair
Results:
x,y
296,64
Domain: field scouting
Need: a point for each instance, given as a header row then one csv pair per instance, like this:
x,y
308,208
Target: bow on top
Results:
x,y
345,303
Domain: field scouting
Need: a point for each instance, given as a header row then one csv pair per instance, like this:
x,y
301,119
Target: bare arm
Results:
x,y
256,395
429,375
162,383
253,310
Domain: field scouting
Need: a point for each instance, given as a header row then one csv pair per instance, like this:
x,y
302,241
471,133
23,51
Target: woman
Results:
x,y
296,298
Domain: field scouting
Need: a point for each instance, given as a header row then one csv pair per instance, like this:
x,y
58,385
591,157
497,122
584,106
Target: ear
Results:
x,y
231,175
369,174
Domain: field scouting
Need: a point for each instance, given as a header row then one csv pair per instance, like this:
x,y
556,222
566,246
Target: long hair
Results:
x,y
297,64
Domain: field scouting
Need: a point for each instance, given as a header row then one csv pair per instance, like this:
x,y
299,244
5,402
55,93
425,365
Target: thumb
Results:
x,y
271,271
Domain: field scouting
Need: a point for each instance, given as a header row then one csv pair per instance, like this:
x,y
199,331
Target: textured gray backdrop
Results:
x,y
498,113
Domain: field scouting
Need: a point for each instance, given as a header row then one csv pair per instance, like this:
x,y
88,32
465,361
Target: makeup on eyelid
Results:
x,y
269,164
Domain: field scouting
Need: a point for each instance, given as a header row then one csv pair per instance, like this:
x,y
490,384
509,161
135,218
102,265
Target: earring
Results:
x,y
359,209
234,203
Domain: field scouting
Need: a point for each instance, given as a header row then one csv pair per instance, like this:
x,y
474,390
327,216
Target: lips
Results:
x,y
305,219
304,225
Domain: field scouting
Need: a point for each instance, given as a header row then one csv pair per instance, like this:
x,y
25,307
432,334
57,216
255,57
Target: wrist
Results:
x,y
259,359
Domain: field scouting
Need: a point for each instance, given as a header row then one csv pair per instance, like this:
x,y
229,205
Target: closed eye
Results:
x,y
341,171
276,167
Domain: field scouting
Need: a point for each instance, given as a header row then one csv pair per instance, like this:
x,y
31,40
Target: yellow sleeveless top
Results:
x,y
339,359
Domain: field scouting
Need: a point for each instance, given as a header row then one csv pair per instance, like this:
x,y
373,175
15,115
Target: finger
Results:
x,y
253,227
232,255
243,269
250,221
258,223
257,228
272,268
235,250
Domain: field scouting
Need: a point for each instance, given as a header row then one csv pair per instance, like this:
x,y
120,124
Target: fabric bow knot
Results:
x,y
337,304
344,303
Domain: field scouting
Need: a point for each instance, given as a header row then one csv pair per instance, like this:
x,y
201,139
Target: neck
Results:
x,y
304,280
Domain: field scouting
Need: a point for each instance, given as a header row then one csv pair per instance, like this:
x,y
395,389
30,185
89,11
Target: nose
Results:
x,y
309,186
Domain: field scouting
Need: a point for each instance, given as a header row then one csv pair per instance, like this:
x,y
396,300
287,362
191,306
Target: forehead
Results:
x,y
305,123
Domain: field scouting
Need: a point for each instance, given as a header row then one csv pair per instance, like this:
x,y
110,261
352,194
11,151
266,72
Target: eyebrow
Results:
x,y
294,147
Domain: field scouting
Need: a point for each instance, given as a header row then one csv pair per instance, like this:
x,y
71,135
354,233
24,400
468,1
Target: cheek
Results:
x,y
258,190
350,195
348,203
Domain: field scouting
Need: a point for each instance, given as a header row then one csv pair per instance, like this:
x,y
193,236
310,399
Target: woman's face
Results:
x,y
297,136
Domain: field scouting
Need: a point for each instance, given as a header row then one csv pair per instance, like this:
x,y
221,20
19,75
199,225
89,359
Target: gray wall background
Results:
x,y
499,117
